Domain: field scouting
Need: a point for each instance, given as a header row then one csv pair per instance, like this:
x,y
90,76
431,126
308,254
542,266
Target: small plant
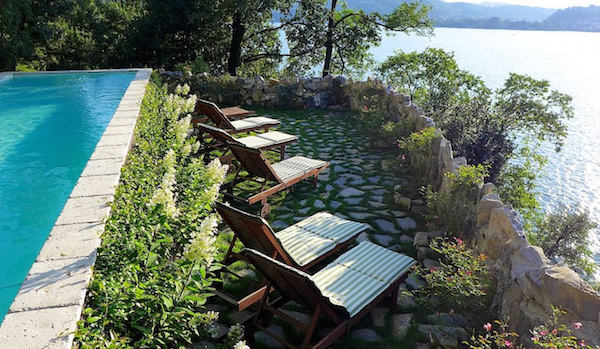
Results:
x,y
460,280
554,334
418,149
455,206
494,338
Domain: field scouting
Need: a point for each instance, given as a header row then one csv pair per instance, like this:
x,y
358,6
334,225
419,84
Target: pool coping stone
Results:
x,y
45,312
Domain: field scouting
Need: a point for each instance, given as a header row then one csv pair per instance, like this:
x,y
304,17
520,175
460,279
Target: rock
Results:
x,y
445,336
426,253
385,226
268,340
365,334
240,317
397,188
302,317
445,319
400,325
406,223
402,202
361,216
203,345
420,210
334,204
421,239
279,225
430,263
406,239
272,82
418,203
319,204
378,315
414,282
349,191
383,240
362,237
405,301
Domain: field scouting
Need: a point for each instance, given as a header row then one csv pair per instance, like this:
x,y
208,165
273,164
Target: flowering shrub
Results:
x,y
418,149
551,334
154,268
460,280
494,338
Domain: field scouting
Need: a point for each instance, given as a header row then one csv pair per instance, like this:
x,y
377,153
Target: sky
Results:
x,y
539,3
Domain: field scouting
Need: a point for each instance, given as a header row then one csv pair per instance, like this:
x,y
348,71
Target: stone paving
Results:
x,y
358,185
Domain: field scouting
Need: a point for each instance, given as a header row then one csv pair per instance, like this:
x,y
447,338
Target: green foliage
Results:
x,y
564,237
459,284
493,338
482,126
418,148
154,268
551,334
455,207
319,26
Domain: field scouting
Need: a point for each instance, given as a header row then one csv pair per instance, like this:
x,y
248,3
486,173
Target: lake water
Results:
x,y
571,62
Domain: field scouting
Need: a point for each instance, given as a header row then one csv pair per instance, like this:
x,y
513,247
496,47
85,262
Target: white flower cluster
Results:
x,y
202,246
180,105
182,90
181,129
241,345
164,195
215,173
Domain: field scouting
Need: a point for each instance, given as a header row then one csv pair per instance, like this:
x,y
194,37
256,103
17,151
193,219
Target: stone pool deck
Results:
x,y
358,185
46,309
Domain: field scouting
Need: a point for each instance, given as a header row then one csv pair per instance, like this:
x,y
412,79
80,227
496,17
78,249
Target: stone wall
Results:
x,y
528,283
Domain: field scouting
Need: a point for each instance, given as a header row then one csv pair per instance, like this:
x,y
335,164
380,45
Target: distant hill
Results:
x,y
575,18
447,11
489,15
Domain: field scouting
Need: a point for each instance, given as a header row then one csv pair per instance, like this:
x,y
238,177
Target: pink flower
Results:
x,y
469,273
582,343
487,327
508,344
451,312
543,333
554,331
403,157
458,241
534,339
578,325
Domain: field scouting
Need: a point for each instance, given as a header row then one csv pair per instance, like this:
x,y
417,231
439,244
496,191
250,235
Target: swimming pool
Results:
x,y
49,126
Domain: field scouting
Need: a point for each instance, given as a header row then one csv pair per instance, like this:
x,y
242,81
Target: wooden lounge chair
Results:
x,y
264,141
343,291
221,120
283,174
302,245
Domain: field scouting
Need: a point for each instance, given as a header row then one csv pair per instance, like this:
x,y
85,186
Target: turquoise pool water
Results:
x,y
49,127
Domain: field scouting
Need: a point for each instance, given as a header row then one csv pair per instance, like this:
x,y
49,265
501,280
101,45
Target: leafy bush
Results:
x,y
418,148
154,268
493,338
460,283
455,207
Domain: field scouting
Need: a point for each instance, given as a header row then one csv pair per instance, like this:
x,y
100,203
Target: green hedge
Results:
x,y
154,268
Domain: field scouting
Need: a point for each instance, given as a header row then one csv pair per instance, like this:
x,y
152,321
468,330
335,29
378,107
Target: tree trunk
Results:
x,y
329,42
235,51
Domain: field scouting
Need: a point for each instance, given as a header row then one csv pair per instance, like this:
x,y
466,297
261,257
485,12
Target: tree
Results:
x,y
340,38
483,125
564,237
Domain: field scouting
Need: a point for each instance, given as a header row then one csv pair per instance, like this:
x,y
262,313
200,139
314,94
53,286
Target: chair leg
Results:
x,y
282,152
311,327
315,180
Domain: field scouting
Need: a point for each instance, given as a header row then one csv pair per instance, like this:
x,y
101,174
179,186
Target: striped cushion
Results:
x,y
309,239
253,122
266,139
296,166
358,276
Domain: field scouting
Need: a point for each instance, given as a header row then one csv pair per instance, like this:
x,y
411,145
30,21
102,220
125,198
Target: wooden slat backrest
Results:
x,y
211,110
217,133
291,282
254,161
253,231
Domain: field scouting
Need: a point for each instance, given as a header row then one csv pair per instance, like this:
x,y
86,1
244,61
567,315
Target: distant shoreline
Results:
x,y
520,29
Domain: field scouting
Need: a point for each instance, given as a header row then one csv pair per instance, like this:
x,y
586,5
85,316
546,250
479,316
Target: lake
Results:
x,y
571,62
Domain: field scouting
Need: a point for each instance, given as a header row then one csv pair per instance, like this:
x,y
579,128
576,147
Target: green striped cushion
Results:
x,y
316,235
302,245
333,227
376,261
358,276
